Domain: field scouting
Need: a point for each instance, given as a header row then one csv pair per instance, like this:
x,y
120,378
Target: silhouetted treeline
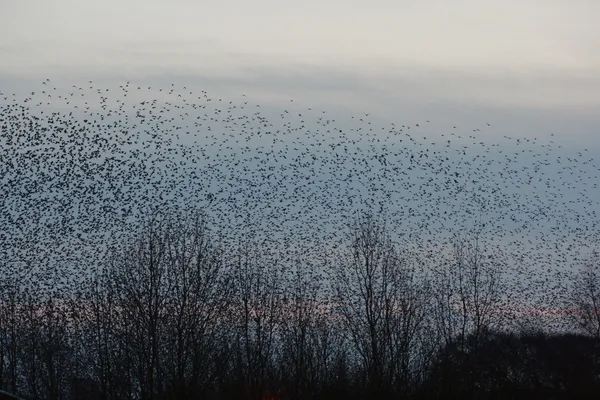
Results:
x,y
177,312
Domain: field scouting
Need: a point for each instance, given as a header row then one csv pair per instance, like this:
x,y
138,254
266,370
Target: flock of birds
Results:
x,y
79,165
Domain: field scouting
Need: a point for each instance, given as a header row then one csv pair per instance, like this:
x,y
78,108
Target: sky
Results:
x,y
530,67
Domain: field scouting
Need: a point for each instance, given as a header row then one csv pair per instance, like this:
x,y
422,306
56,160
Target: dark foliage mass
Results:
x,y
187,247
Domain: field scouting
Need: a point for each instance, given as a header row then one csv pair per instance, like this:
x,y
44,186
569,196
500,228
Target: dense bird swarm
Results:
x,y
161,243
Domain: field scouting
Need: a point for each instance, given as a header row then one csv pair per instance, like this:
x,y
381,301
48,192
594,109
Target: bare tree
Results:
x,y
47,347
10,330
140,274
303,309
382,305
584,301
197,302
257,281
101,330
467,291
157,314
467,295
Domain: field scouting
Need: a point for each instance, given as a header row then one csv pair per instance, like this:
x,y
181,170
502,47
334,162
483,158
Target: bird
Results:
x,y
82,175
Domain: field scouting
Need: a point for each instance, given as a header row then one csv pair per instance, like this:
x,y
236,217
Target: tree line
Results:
x,y
175,311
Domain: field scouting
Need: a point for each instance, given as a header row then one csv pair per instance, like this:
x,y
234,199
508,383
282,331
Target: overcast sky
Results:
x,y
531,67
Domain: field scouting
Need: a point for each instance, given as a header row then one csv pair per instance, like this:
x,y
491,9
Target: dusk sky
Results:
x,y
522,69
530,67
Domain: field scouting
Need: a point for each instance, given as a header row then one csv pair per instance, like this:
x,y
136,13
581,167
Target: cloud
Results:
x,y
518,101
542,88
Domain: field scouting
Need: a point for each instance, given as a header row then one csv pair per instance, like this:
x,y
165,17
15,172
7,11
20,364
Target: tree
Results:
x,y
467,295
584,301
257,278
160,308
10,332
382,303
301,360
197,302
